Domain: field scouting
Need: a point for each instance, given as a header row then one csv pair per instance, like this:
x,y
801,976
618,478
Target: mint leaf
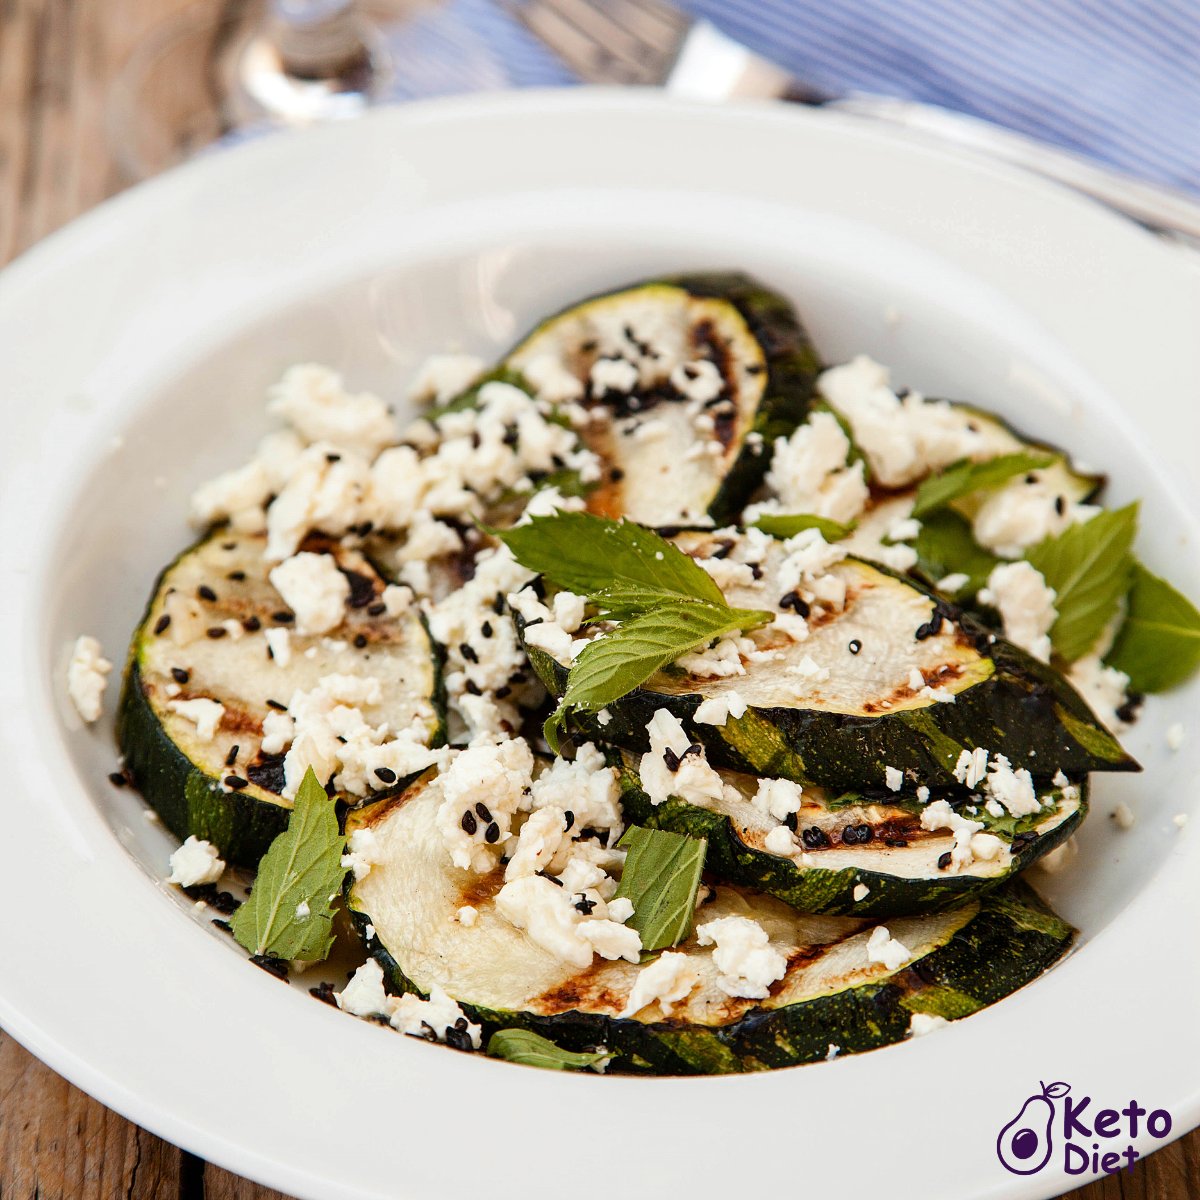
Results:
x,y
786,525
1158,646
660,877
615,663
1089,566
532,1050
946,546
963,478
288,914
587,555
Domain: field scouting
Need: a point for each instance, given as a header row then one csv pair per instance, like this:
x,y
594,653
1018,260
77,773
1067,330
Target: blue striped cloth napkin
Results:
x,y
1118,81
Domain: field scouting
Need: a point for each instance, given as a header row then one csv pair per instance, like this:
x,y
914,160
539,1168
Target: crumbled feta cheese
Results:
x,y
279,642
748,963
986,846
497,776
904,530
569,610
314,401
196,862
467,915
894,778
714,662
362,853
971,767
439,1015
717,710
314,589
954,582
1025,511
916,679
1179,820
861,892
808,557
204,714
809,670
1026,606
613,375
1012,788
939,815
238,496
364,995
675,766
326,489
780,841
551,380
780,798
442,377
1102,687
303,912
1059,858
87,677
278,729
885,949
666,981
1175,737
809,472
922,1023
1123,815
923,794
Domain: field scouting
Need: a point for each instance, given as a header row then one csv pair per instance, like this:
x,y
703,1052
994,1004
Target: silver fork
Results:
x,y
651,43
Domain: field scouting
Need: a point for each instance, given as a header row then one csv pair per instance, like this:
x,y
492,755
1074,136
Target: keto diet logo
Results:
x,y
1053,1129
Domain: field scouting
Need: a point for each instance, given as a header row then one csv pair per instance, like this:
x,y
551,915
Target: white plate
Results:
x,y
137,343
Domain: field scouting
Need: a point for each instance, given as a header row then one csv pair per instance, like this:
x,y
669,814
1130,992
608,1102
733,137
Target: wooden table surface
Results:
x,y
57,59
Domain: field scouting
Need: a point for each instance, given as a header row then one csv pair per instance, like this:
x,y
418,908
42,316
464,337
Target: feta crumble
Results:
x,y
1175,737
87,677
204,714
809,472
861,892
1123,815
894,778
1026,606
717,710
748,963
666,981
676,766
923,1023
314,589
196,862
885,949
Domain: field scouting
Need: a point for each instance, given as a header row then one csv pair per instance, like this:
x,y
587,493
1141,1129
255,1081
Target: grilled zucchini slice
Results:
x,y
831,999
204,637
720,367
839,710
854,854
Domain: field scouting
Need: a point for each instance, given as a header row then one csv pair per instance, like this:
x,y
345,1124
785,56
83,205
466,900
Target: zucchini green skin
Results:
x,y
190,802
1011,940
792,369
1025,710
817,889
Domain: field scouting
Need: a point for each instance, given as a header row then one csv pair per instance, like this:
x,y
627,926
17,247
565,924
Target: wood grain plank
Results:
x,y
57,62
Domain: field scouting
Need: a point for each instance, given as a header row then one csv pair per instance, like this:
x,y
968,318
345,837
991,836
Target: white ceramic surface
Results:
x,y
136,348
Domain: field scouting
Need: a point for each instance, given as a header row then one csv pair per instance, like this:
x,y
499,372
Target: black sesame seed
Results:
x,y
502,692
236,576
161,624
671,759
756,571
283,618
236,782
793,601
205,592
119,780
468,823
231,757
568,820
459,1039
324,993
895,843
272,965
362,588
931,627
484,812
584,905
216,631
1060,505
377,609
855,646
277,706
491,834
1031,478
616,474
498,604
385,774
814,838
472,688
943,861
179,675
486,629
553,880
332,458
252,624
857,835
468,652
360,640
229,545
223,925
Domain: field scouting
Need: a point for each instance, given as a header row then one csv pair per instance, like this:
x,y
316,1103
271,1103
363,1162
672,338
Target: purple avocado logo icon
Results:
x,y
1027,1141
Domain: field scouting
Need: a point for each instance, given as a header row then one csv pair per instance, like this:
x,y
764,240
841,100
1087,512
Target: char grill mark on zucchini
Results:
x,y
831,994
853,842
662,467
846,731
221,584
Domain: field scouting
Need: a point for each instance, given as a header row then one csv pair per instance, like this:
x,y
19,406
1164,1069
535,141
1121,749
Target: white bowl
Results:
x,y
137,347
